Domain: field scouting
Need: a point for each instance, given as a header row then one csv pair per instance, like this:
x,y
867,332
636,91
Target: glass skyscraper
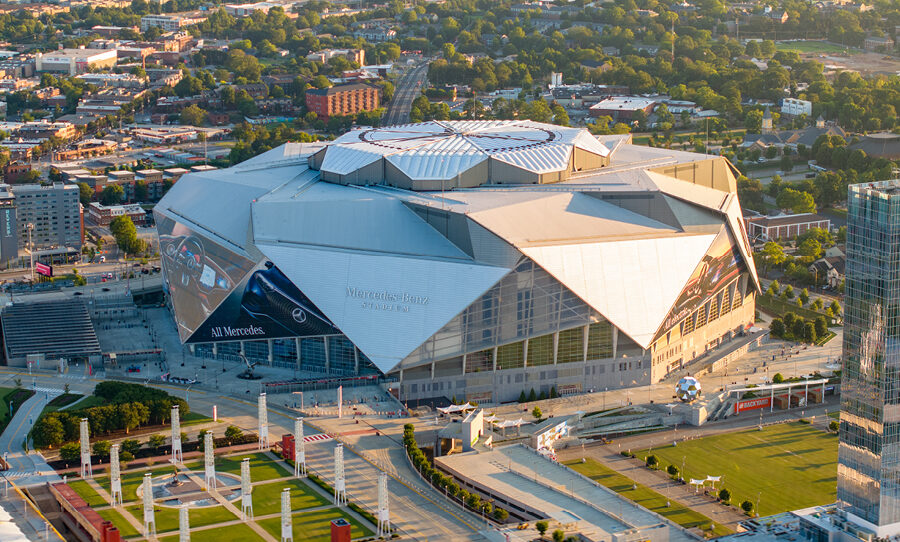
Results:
x,y
869,453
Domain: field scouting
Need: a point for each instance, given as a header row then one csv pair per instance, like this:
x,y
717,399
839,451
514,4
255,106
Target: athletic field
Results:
x,y
810,47
787,466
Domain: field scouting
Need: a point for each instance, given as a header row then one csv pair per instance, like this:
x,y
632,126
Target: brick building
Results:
x,y
784,226
102,215
342,100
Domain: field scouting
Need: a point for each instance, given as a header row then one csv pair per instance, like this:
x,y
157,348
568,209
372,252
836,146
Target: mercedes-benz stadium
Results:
x,y
466,259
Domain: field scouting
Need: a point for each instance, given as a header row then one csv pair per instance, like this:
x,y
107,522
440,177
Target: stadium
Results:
x,y
467,259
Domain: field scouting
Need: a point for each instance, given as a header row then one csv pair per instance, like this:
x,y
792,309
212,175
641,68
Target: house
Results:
x,y
829,270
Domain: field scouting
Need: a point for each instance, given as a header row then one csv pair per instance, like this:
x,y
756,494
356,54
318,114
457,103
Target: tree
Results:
x,y
85,193
804,296
773,255
809,332
788,292
778,378
500,515
125,233
112,195
532,396
786,163
747,506
834,426
101,448
70,451
522,397
536,412
193,115
542,527
835,308
559,535
49,431
141,191
810,250
724,495
232,433
131,446
777,327
320,81
821,326
156,441
672,470
652,461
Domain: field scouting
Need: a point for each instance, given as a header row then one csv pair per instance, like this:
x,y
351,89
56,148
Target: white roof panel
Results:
x,y
387,305
632,283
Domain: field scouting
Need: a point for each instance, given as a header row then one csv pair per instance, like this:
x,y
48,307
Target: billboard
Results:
x,y
43,269
219,295
264,305
752,404
721,265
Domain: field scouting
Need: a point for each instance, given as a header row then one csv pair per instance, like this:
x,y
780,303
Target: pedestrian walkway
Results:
x,y
31,468
321,437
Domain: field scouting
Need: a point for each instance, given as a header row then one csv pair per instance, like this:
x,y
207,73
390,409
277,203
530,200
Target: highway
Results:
x,y
408,87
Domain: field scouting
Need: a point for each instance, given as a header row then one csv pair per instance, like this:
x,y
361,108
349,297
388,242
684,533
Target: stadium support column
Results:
x,y
115,477
209,461
299,449
177,456
184,524
340,401
615,340
384,516
86,471
287,524
297,345
149,518
340,490
246,489
555,346
263,416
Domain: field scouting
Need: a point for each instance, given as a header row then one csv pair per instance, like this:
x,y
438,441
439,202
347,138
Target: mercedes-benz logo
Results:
x,y
299,315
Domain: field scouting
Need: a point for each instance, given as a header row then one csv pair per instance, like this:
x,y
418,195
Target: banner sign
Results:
x,y
43,269
752,404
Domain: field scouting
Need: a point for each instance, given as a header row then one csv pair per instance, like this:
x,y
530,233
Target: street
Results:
x,y
408,87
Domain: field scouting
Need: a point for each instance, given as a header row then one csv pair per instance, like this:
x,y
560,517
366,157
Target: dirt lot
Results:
x,y
864,63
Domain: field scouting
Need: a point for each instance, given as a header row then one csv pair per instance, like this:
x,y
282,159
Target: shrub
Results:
x,y
537,412
672,470
70,451
724,495
131,446
233,432
747,506
542,527
652,461
522,397
500,514
778,378
101,448
834,426
559,535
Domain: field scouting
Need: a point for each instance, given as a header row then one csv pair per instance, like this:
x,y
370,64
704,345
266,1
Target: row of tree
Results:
x,y
796,328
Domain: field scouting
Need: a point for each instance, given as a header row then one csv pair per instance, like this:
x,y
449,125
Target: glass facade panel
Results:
x,y
600,341
869,449
571,345
540,350
284,351
341,355
527,302
477,362
312,354
511,356
257,351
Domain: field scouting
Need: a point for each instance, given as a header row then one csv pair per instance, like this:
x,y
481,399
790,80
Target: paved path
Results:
x,y
27,468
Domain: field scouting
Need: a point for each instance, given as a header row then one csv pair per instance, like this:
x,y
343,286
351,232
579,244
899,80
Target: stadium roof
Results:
x,y
624,236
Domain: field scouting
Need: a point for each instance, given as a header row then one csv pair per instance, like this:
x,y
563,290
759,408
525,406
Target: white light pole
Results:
x,y
149,518
340,490
209,461
246,489
299,449
287,523
263,416
115,476
176,436
384,516
86,470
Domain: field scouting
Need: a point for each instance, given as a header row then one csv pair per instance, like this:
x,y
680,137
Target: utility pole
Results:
x,y
30,228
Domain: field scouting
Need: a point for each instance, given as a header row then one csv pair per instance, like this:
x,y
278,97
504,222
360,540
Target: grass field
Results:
x,y
87,493
233,533
261,467
644,496
267,497
810,47
314,526
788,466
167,517
125,529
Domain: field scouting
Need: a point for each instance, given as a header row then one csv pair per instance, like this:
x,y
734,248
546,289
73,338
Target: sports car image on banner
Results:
x,y
265,305
199,273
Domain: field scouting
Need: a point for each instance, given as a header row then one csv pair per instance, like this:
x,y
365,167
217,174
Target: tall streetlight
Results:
x,y
30,228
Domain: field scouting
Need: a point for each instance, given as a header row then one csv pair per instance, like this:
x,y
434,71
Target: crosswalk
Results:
x,y
16,474
50,391
321,437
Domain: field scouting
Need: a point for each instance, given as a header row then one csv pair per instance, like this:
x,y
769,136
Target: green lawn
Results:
x,y
167,517
789,466
87,402
267,497
810,47
125,529
233,533
87,493
314,526
644,496
193,418
261,466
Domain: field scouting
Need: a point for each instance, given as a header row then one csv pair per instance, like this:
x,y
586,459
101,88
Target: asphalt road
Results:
x,y
408,88
26,468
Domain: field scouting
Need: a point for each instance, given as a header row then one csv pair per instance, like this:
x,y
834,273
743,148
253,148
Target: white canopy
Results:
x,y
713,479
491,418
695,482
510,423
452,409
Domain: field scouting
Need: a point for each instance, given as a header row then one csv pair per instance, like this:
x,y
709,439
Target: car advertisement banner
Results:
x,y
199,273
721,265
265,305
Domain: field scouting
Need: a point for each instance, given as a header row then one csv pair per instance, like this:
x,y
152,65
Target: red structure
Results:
x,y
85,524
342,100
340,530
287,446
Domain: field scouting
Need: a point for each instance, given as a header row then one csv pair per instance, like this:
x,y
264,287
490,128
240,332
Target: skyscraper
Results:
x,y
869,452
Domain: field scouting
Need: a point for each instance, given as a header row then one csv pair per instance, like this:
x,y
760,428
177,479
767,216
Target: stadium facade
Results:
x,y
470,259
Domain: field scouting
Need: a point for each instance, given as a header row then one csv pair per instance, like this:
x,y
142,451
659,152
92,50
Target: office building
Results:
x,y
474,259
342,100
103,215
869,450
54,210
796,107
171,22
